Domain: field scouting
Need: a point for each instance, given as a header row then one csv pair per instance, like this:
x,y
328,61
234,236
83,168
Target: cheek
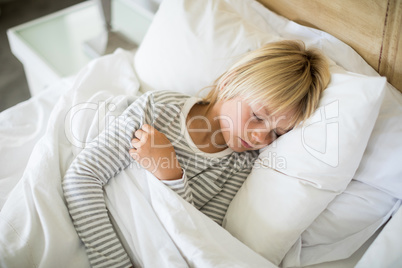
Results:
x,y
226,124
230,122
249,126
235,117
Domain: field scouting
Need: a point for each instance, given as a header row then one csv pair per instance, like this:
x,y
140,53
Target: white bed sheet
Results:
x,y
21,126
159,228
386,249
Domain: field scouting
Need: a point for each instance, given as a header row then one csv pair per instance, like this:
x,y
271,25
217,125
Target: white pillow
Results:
x,y
190,43
381,165
369,200
343,227
296,177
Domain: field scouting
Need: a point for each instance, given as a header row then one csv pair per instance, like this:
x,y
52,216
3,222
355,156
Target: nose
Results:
x,y
261,136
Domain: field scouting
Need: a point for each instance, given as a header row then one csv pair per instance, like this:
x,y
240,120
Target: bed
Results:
x,y
327,194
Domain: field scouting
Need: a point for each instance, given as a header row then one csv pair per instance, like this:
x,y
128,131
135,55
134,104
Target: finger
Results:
x,y
135,140
135,143
139,133
147,128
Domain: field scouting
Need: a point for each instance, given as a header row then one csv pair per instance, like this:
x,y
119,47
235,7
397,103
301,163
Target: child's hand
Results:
x,y
154,152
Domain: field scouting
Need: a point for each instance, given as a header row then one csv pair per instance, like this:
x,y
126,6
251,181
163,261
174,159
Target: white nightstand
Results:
x,y
52,47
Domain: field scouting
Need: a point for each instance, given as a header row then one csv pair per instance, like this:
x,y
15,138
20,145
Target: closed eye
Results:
x,y
257,117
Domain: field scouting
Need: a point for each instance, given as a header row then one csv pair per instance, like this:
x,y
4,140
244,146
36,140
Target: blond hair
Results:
x,y
284,75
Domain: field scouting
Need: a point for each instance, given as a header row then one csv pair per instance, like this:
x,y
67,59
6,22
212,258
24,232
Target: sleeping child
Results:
x,y
203,149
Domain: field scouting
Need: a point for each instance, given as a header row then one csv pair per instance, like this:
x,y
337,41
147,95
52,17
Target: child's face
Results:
x,y
250,127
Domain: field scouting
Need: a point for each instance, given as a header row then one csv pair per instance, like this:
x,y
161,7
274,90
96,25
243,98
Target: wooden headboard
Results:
x,y
371,27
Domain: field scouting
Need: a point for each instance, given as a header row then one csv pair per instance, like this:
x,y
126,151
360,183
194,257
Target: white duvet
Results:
x,y
158,228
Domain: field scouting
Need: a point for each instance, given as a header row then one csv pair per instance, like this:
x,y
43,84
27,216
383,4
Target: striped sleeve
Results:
x,y
84,180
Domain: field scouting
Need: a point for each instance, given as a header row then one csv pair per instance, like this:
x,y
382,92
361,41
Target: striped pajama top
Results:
x,y
209,182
